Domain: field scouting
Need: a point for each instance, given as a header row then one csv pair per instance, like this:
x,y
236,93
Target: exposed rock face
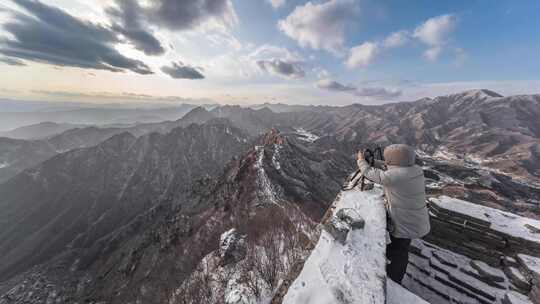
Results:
x,y
232,247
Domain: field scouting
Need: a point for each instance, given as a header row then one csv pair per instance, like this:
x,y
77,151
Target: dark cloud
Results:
x,y
187,14
179,70
282,68
53,36
378,92
12,61
332,85
172,14
374,92
128,16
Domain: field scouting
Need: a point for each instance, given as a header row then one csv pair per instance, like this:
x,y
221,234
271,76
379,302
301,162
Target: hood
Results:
x,y
399,155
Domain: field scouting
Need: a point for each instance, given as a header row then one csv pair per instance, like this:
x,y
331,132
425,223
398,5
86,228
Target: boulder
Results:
x,y
351,217
337,228
232,247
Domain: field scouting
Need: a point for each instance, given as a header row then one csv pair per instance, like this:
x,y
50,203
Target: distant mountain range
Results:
x,y
136,213
90,116
39,131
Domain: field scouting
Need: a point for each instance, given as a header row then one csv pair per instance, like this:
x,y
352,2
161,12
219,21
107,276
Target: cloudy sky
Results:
x,y
254,51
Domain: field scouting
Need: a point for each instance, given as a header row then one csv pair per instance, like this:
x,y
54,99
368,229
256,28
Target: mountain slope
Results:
x,y
36,151
267,190
79,196
39,131
205,214
17,155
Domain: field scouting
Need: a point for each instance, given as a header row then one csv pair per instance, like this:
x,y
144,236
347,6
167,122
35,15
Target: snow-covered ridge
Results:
x,y
353,272
267,190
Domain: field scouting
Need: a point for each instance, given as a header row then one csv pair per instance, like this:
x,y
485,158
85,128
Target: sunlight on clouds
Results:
x,y
276,3
288,47
397,39
320,26
362,55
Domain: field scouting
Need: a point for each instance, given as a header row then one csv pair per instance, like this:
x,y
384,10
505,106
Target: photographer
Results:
x,y
404,187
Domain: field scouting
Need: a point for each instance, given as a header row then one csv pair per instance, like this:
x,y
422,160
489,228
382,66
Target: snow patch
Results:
x,y
306,136
472,161
350,273
444,154
267,193
4,164
397,294
228,238
275,157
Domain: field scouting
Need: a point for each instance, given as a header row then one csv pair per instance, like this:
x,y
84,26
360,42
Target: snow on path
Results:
x,y
353,273
397,294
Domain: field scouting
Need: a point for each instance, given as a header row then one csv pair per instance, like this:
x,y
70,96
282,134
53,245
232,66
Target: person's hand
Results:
x,y
360,156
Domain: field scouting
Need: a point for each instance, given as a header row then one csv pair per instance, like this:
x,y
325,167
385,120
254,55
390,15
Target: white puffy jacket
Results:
x,y
406,196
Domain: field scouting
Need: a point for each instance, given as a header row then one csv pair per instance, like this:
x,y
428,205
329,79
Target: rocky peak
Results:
x,y
272,137
119,142
197,115
476,94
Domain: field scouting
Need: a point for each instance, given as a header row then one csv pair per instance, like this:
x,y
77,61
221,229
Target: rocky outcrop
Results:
x,y
342,222
232,247
351,217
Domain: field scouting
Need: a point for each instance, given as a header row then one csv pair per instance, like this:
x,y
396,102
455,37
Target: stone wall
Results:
x,y
505,249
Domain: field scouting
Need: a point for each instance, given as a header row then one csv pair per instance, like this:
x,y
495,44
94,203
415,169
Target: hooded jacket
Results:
x,y
404,185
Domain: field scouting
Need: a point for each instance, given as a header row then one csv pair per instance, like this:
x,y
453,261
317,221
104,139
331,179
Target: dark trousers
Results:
x,y
398,254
